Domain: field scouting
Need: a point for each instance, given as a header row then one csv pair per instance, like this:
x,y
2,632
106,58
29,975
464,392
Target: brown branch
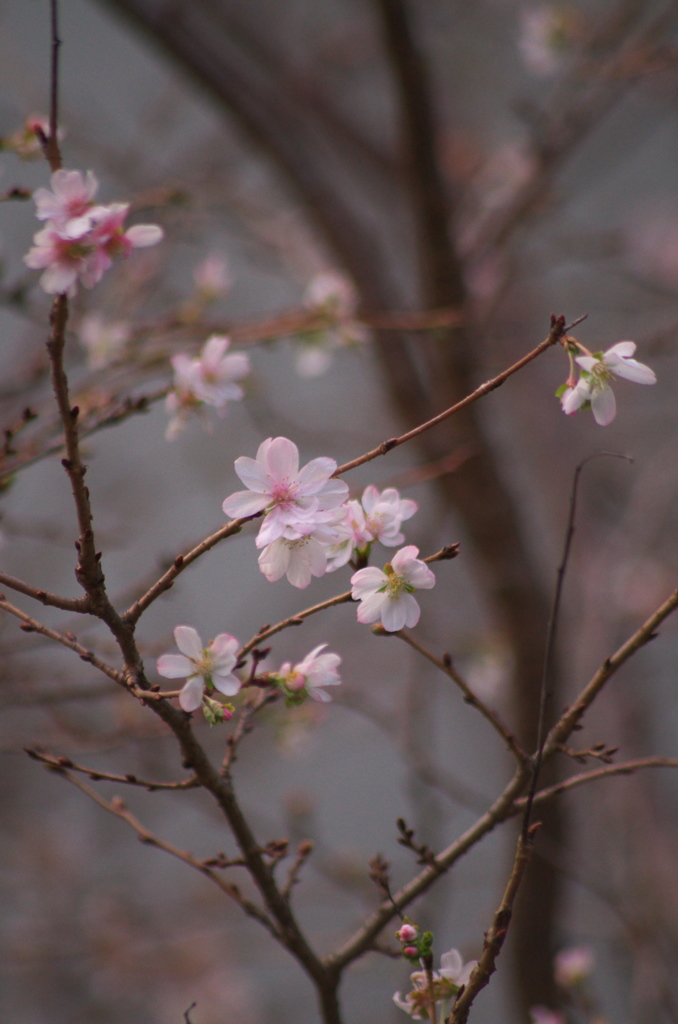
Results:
x,y
304,851
59,763
626,768
445,665
67,604
558,330
133,613
571,717
117,808
494,937
33,626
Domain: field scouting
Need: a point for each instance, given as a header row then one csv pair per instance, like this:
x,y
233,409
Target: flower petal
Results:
x,y
188,641
244,503
603,406
190,697
174,666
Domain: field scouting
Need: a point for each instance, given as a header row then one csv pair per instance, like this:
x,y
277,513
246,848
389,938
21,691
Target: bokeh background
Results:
x,y
276,135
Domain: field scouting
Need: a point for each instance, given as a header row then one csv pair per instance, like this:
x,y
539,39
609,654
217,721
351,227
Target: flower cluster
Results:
x,y
81,239
203,668
309,676
310,527
208,380
446,983
597,372
334,298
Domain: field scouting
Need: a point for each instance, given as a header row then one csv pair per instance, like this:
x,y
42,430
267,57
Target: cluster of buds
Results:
x,y
81,239
429,987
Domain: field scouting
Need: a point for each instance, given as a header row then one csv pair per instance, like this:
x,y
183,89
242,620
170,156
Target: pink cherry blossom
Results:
x,y
70,201
212,277
291,497
311,674
297,556
594,384
209,667
64,260
384,512
387,595
573,966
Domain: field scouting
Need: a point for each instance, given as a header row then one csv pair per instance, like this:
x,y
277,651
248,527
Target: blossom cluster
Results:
x,y
207,380
213,668
81,239
310,527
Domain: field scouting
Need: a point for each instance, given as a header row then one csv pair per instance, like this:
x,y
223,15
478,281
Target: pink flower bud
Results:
x,y
410,951
407,933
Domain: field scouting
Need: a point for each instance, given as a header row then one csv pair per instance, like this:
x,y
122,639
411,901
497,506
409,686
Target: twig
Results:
x,y
304,851
33,626
545,688
58,763
495,936
558,329
117,808
625,768
445,665
67,604
570,718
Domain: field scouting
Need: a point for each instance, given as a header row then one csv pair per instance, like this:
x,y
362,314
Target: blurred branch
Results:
x,y
60,763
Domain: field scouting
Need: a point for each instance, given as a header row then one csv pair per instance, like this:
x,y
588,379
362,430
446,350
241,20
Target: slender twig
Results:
x,y
558,330
494,937
117,808
624,768
545,688
445,665
52,146
304,851
571,717
33,626
181,562
67,604
95,775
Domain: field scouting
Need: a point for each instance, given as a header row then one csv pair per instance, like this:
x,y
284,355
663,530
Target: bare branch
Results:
x,y
59,763
67,604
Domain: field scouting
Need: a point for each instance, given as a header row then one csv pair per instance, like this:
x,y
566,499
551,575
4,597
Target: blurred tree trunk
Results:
x,y
308,138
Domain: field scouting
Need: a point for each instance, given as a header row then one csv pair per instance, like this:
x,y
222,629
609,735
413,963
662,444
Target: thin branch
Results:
x,y
67,604
304,851
117,808
625,768
494,937
59,763
133,613
571,717
445,665
558,330
33,626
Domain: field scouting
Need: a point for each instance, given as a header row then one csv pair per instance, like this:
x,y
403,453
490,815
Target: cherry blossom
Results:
x,y
387,595
311,674
208,379
80,240
594,384
291,497
452,976
26,141
212,277
297,556
69,201
103,340
384,512
334,297
542,1015
573,966
204,667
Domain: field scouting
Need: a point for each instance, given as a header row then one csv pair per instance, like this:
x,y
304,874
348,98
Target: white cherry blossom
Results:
x,y
209,667
453,974
311,674
594,384
387,595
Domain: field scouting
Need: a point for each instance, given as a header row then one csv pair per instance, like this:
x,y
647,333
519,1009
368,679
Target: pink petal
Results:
x,y
143,235
190,697
370,608
229,684
253,474
188,641
367,581
315,475
174,666
244,503
282,459
603,407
